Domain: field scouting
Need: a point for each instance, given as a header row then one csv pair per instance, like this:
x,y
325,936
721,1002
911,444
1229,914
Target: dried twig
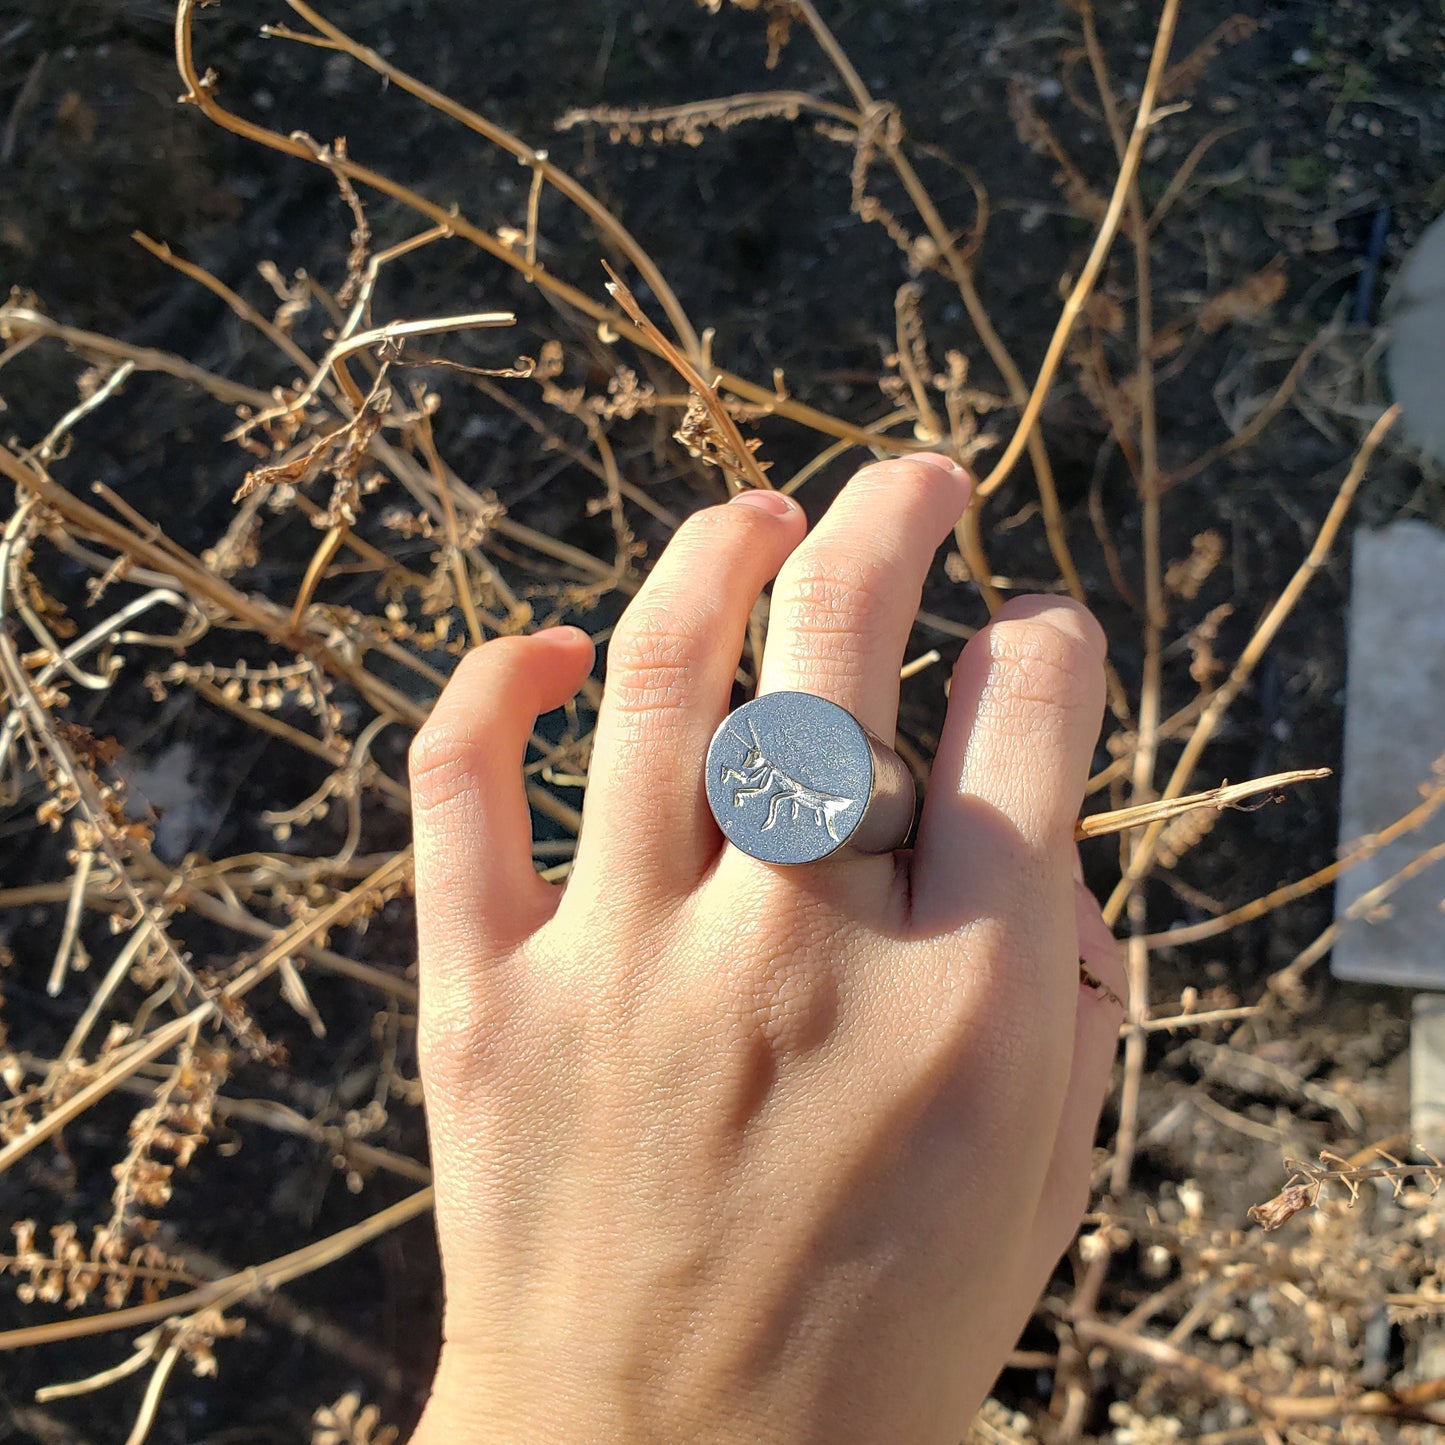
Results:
x,y
1259,643
413,558
1227,795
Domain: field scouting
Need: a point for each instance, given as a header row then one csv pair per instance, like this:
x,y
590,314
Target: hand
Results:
x,y
729,1152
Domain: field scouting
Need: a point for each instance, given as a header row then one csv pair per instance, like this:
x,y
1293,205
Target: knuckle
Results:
x,y
651,660
491,663
906,480
1070,619
441,767
769,1005
832,613
676,620
445,758
712,527
456,1054
1036,665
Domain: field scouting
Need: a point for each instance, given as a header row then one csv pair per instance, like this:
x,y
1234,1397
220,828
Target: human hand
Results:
x,y
730,1152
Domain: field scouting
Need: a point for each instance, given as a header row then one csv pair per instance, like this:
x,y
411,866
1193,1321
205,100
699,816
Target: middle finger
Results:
x,y
845,601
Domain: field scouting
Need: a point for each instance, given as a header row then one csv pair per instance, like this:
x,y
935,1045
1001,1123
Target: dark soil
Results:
x,y
1333,114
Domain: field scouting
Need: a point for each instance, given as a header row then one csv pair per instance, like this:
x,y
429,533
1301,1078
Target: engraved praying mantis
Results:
x,y
757,775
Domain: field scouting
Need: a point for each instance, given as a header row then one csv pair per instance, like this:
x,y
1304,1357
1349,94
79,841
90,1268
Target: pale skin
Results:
x,y
733,1153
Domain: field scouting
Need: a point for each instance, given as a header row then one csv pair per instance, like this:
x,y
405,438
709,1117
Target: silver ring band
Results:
x,y
793,778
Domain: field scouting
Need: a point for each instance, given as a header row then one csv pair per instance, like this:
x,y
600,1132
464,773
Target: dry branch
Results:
x,y
1227,795
408,558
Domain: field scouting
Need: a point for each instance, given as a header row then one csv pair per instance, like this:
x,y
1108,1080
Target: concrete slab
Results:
x,y
1416,360
1394,732
1427,1078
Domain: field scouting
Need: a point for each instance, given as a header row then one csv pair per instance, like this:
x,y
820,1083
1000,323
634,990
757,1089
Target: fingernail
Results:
x,y
563,632
937,459
1078,865
772,502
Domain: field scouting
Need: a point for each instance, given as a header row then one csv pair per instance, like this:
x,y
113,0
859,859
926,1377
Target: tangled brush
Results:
x,y
215,955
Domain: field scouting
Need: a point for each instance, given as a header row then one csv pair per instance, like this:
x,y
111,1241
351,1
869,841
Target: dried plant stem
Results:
x,y
1144,852
124,960
1219,703
28,323
151,1047
199,94
1183,175
1287,979
329,375
1146,750
1204,1017
788,103
283,1120
128,1061
78,779
155,1388
243,308
1256,425
968,534
1409,1404
219,911
1307,1179
394,870
111,630
1227,795
918,664
396,332
1073,1388
149,530
551,806
70,931
385,565
55,437
277,728
456,560
264,616
1171,727
636,495
98,1381
830,454
1108,228
391,984
278,1117
703,389
599,214
234,1288
308,1325
547,546
1367,847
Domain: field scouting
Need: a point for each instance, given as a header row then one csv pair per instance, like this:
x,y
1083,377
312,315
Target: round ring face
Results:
x,y
789,776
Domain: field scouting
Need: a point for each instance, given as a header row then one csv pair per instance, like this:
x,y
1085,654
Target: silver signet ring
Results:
x,y
792,778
